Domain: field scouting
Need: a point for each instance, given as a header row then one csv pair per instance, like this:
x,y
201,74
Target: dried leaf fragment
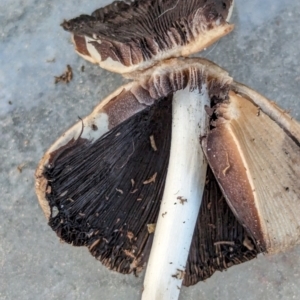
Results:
x,y
66,77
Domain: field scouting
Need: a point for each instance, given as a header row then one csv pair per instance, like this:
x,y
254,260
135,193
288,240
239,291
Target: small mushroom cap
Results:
x,y
127,36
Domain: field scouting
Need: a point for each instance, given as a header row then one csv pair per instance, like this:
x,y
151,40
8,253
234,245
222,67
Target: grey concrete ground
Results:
x,y
262,52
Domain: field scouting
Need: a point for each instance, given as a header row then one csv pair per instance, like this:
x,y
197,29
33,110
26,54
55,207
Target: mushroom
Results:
x,y
96,184
147,156
127,36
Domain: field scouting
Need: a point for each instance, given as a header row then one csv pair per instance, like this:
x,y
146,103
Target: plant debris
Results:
x,y
152,142
248,243
179,274
66,77
151,179
151,227
120,191
21,167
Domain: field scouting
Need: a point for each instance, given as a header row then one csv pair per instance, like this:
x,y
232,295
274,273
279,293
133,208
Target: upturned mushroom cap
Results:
x,y
133,35
100,184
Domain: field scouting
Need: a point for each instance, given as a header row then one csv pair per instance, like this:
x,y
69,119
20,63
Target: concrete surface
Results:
x,y
262,52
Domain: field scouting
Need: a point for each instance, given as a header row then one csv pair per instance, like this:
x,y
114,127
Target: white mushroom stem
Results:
x,y
182,197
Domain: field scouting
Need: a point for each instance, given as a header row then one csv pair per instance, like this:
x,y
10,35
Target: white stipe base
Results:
x,y
182,197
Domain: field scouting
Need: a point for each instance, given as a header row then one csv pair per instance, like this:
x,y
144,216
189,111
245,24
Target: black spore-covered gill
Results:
x,y
99,189
219,240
